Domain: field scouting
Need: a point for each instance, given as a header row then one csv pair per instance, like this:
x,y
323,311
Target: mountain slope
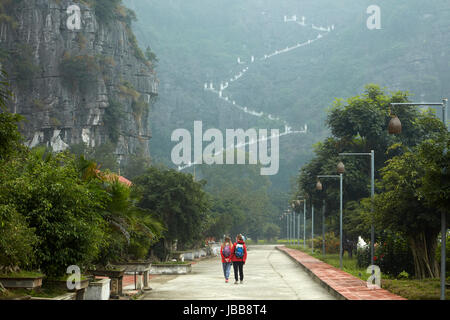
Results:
x,y
199,42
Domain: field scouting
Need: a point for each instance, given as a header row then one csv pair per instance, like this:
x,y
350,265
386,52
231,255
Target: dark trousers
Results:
x,y
238,267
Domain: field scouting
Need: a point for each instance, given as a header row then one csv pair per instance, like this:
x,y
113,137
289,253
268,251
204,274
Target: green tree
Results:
x,y
80,72
436,181
178,201
136,164
399,209
10,138
271,231
359,124
113,115
244,197
150,55
17,241
137,227
64,210
5,92
105,10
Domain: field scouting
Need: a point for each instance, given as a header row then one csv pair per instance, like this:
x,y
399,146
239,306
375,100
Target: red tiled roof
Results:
x,y
112,176
125,181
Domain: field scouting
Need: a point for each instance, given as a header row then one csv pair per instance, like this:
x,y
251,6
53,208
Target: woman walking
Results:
x,y
225,252
239,256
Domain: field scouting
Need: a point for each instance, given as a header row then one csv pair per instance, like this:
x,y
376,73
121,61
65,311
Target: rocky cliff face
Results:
x,y
77,79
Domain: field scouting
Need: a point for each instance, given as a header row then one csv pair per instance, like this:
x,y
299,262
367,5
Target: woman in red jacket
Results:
x,y
239,256
226,253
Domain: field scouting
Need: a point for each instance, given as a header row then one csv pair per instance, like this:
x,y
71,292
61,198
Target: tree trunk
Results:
x,y
167,248
423,247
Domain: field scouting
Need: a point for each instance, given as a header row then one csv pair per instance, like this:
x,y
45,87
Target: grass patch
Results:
x,y
348,265
411,289
43,292
22,274
262,241
65,277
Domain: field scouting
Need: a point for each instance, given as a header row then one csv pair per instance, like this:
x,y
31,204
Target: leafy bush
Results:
x,y
105,10
79,72
447,255
113,115
134,229
10,138
136,164
63,209
331,243
23,68
392,255
363,257
178,201
127,89
271,231
17,240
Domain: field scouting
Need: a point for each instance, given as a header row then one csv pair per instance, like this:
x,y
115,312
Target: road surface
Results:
x,y
268,275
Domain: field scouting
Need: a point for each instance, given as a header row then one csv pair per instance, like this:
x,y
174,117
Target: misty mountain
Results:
x,y
199,42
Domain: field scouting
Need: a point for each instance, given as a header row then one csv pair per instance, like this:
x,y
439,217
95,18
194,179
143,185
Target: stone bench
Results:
x,y
98,290
116,284
189,256
141,271
170,268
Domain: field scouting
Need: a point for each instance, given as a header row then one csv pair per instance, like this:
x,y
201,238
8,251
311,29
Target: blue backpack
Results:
x,y
239,251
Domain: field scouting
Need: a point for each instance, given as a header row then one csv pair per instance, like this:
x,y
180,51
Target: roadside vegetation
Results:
x,y
402,285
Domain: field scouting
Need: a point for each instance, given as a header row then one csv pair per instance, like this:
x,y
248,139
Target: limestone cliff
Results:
x,y
77,76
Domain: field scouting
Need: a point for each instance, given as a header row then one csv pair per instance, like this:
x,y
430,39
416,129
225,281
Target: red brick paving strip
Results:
x,y
342,284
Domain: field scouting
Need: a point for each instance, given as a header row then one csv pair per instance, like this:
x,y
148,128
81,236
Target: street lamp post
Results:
x,y
340,176
304,224
298,227
312,227
319,188
293,226
287,226
395,128
323,227
293,222
296,203
372,191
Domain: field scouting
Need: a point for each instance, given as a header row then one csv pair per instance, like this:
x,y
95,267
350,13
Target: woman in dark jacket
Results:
x,y
239,256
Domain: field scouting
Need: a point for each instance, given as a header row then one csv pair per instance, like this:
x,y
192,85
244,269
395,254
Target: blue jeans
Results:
x,y
226,269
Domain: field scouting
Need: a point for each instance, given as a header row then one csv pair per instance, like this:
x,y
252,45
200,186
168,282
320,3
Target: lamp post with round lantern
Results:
x,y
341,171
319,188
296,205
395,127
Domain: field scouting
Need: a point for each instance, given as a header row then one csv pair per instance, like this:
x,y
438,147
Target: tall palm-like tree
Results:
x,y
121,211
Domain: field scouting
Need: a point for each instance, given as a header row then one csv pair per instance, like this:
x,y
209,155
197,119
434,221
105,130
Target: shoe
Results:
x,y
242,281
236,282
226,280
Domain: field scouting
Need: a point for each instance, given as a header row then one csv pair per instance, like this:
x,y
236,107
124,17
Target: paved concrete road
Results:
x,y
268,275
